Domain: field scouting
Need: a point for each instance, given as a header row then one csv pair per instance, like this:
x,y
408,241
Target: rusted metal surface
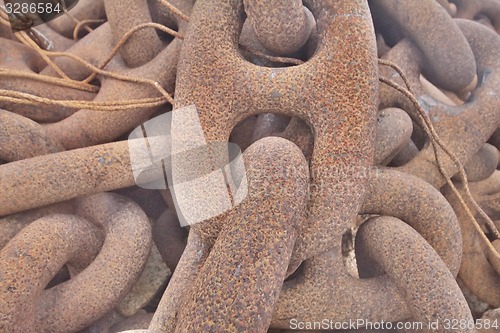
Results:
x,y
170,238
394,128
344,211
86,127
38,255
475,270
83,10
17,56
482,165
193,258
340,129
53,177
417,203
471,123
141,47
74,241
381,238
11,225
319,288
475,9
22,138
282,27
85,49
449,68
252,251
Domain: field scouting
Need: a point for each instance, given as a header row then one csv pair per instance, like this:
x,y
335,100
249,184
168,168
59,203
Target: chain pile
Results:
x,y
370,132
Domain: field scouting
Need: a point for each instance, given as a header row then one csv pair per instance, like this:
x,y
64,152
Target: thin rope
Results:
x,y
29,99
96,70
23,37
99,71
174,10
85,23
124,39
411,94
116,76
457,193
434,138
32,33
40,39
72,17
49,79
